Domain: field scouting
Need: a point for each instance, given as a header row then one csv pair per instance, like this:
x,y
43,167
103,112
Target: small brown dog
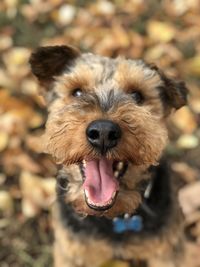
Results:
x,y
107,129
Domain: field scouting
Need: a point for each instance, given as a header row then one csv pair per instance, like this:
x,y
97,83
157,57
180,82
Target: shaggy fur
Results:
x,y
83,88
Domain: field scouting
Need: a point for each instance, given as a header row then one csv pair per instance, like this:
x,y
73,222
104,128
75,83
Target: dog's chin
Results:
x,y
101,182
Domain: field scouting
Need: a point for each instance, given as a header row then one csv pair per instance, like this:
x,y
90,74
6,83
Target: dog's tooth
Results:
x,y
126,216
86,193
110,201
116,174
84,163
120,165
113,194
148,190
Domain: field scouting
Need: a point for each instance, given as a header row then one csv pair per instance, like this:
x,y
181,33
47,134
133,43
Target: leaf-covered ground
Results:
x,y
165,32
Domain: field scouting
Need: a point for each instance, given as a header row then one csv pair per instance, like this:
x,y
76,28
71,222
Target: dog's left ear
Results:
x,y
173,93
48,61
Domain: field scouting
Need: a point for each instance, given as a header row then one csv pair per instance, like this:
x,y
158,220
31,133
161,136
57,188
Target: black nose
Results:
x,y
103,134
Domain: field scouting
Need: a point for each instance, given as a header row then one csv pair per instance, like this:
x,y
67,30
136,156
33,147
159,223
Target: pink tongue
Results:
x,y
100,183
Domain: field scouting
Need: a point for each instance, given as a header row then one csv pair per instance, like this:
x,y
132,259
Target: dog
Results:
x,y
107,130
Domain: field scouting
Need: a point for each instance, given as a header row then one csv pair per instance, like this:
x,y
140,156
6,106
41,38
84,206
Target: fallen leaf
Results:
x,y
5,42
160,31
34,143
116,263
104,7
184,120
187,173
66,14
4,138
15,160
189,198
187,141
6,203
16,61
38,193
192,66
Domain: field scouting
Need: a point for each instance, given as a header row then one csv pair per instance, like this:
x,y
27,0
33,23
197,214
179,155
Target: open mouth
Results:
x,y
101,182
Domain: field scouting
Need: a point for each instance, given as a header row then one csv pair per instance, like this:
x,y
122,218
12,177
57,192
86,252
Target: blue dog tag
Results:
x,y
134,224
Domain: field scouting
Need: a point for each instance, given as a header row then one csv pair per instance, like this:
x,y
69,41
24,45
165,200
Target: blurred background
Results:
x,y
165,32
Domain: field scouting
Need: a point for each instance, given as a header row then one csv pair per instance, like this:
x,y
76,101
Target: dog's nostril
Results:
x,y
93,134
113,135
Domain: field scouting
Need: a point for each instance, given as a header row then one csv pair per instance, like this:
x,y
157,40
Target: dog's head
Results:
x,y
106,124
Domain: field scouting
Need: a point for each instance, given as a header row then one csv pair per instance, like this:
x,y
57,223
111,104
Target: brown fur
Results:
x,y
107,86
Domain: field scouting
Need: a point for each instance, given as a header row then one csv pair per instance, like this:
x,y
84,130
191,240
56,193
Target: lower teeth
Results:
x,y
95,204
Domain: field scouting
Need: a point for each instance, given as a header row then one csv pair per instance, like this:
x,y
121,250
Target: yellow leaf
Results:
x,y
3,140
187,141
160,31
38,193
185,120
115,263
193,66
6,202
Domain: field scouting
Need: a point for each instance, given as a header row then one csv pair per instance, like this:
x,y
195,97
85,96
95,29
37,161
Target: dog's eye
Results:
x,y
77,92
137,97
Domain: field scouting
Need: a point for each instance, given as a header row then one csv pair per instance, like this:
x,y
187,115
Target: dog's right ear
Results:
x,y
49,61
173,92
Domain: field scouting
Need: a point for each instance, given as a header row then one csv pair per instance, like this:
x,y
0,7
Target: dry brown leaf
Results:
x,y
187,141
66,14
5,42
25,162
116,263
185,120
160,31
186,172
189,198
6,203
2,178
102,8
12,124
15,160
17,114
29,87
4,139
192,66
38,193
16,61
166,52
6,80
34,143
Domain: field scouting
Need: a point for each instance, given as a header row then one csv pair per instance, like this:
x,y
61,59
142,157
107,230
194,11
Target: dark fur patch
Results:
x,y
173,93
47,62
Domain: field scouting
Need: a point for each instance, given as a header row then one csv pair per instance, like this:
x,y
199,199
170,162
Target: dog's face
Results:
x,y
106,124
